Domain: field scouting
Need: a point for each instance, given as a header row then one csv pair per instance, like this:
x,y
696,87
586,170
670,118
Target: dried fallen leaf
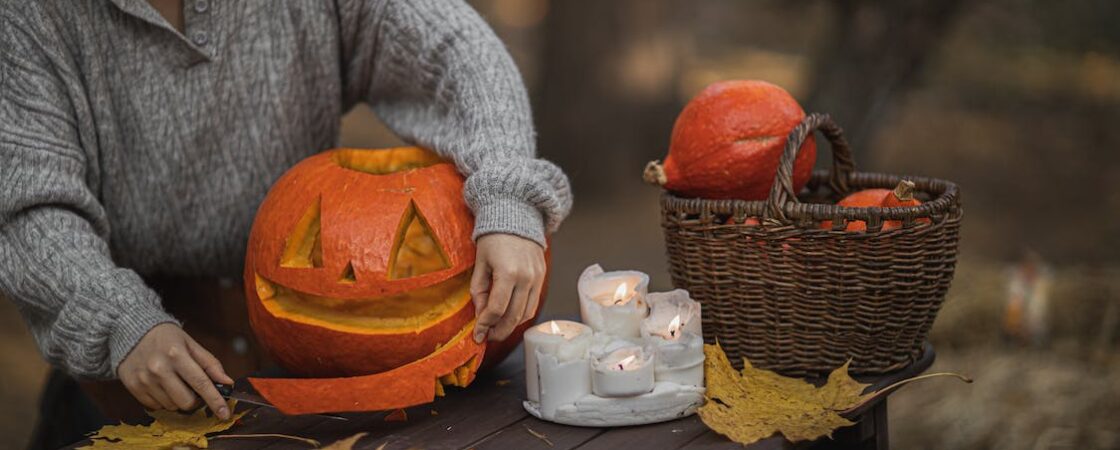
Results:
x,y
755,404
170,429
348,443
397,416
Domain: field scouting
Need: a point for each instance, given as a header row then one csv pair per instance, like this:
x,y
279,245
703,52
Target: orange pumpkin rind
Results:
x,y
413,384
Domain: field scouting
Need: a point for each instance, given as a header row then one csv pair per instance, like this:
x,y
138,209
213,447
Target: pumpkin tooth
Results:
x,y
462,374
449,379
264,289
439,388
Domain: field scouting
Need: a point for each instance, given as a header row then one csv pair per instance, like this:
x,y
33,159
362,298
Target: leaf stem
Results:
x,y
307,441
887,390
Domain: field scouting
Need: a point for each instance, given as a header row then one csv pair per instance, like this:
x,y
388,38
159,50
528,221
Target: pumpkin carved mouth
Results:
x,y
405,312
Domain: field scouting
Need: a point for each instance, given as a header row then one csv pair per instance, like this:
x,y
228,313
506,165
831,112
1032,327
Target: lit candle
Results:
x,y
680,359
624,372
564,339
613,302
679,347
664,306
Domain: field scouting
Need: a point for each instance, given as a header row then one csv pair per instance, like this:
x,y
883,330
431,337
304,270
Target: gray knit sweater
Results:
x,y
129,148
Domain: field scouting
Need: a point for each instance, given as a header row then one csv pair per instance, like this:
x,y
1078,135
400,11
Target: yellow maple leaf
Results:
x,y
170,429
755,404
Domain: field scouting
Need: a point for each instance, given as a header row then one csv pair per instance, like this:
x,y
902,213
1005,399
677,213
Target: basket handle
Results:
x,y
781,191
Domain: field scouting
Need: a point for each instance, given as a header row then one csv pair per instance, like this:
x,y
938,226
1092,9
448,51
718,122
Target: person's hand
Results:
x,y
506,285
167,368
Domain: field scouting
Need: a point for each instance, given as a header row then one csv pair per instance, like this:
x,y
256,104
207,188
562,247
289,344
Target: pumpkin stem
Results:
x,y
904,192
654,173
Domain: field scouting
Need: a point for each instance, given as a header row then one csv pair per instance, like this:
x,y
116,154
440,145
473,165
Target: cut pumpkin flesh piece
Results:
x,y
416,383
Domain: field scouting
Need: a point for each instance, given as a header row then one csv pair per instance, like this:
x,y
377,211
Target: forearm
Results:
x,y
439,77
85,313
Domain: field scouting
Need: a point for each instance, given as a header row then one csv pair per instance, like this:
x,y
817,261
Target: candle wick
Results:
x,y
620,367
672,333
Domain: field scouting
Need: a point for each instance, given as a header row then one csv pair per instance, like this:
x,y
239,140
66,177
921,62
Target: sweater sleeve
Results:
x,y
437,75
84,312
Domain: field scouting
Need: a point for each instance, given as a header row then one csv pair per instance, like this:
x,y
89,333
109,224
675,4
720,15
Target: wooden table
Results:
x,y
488,415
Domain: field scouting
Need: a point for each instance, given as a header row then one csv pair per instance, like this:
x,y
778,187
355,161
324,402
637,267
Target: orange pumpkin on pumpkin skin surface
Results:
x,y
727,141
902,195
359,263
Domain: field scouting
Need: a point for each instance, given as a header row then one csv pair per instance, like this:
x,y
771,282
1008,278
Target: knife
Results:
x,y
229,393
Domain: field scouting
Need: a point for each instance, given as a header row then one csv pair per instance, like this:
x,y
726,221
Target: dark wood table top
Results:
x,y
489,415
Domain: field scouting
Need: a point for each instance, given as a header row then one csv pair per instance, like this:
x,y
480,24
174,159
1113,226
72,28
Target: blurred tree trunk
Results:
x,y
873,55
607,98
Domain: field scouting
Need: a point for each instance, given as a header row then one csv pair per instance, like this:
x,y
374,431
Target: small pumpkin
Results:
x,y
359,263
901,195
727,141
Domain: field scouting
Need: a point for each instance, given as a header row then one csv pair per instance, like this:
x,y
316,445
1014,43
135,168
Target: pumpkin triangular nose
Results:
x,y
348,276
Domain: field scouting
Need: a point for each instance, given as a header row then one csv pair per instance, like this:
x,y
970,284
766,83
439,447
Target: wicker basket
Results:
x,y
802,300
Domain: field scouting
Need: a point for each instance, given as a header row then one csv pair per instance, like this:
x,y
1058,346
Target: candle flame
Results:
x,y
675,326
626,361
552,325
620,293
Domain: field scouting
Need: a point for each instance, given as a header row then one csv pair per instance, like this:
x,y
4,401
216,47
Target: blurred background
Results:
x,y
1018,101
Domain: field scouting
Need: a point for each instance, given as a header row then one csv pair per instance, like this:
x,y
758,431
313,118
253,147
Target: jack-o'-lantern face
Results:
x,y
359,262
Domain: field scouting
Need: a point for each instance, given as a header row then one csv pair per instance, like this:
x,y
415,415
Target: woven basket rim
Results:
x,y
946,201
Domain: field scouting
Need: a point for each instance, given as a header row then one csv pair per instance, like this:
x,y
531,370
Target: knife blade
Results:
x,y
230,393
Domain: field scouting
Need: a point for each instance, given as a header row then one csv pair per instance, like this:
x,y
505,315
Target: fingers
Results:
x,y
192,373
538,287
171,380
534,302
167,368
150,383
480,284
141,395
519,299
162,398
208,362
480,288
497,301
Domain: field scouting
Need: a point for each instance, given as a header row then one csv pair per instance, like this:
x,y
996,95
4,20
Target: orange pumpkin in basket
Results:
x,y
727,141
902,195
359,262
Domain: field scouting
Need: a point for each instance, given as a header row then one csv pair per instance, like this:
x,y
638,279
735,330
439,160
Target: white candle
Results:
x,y
680,358
664,306
673,328
613,302
624,372
562,382
564,339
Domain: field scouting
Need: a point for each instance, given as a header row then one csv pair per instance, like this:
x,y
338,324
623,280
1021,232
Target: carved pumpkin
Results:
x,y
359,263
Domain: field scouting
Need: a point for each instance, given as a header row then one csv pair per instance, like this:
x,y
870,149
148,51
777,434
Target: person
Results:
x,y
137,138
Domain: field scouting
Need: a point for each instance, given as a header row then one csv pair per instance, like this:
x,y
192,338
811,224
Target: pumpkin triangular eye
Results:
x,y
304,249
348,276
416,251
